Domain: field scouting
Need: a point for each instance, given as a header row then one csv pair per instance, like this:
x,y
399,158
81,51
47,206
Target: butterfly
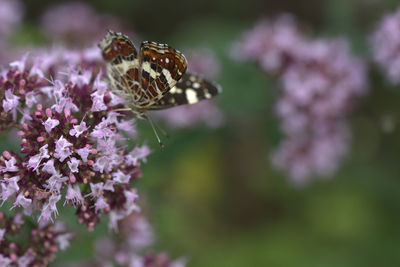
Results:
x,y
153,79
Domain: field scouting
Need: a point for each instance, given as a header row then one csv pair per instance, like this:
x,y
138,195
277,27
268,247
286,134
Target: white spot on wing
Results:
x,y
191,96
173,90
196,85
167,60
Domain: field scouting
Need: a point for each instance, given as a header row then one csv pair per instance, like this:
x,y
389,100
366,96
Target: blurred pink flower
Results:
x,y
318,153
271,43
130,247
385,42
11,14
321,82
41,243
77,23
203,61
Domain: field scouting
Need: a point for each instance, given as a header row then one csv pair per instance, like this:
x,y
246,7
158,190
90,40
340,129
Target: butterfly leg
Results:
x,y
122,109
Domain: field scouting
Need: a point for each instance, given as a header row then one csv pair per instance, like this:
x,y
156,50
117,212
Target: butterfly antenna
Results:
x,y
155,132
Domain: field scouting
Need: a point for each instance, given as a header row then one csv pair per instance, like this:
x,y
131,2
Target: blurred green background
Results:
x,y
212,194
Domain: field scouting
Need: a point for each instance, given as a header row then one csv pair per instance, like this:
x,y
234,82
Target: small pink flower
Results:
x,y
74,195
10,165
78,129
120,177
49,124
83,153
62,149
73,164
11,101
22,201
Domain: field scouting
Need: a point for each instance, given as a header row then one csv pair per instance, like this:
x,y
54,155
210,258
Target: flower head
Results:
x,y
66,144
320,83
385,44
41,243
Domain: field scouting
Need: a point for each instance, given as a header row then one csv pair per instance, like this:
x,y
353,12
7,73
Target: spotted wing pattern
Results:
x,y
153,79
161,68
190,89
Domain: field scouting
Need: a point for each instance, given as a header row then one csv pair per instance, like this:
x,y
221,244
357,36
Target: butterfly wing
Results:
x,y
161,67
122,65
190,89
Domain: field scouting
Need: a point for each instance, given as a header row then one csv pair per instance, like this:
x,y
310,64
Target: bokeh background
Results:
x,y
213,194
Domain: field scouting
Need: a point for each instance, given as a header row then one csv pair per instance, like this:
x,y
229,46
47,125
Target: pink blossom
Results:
x,y
22,201
385,44
73,164
320,82
49,124
74,195
9,186
11,101
138,153
120,177
49,208
10,165
83,153
62,149
48,167
101,204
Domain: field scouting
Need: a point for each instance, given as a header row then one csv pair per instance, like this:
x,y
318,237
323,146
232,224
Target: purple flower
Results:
x,y
18,88
320,82
385,44
57,23
203,61
78,129
49,168
73,164
9,186
10,16
138,153
11,101
22,201
35,160
39,246
135,236
120,177
10,165
60,150
74,195
271,43
49,124
83,153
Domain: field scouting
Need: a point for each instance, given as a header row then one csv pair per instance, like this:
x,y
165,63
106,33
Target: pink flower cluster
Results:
x,y
86,27
320,83
385,42
202,62
40,243
11,14
130,246
72,142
